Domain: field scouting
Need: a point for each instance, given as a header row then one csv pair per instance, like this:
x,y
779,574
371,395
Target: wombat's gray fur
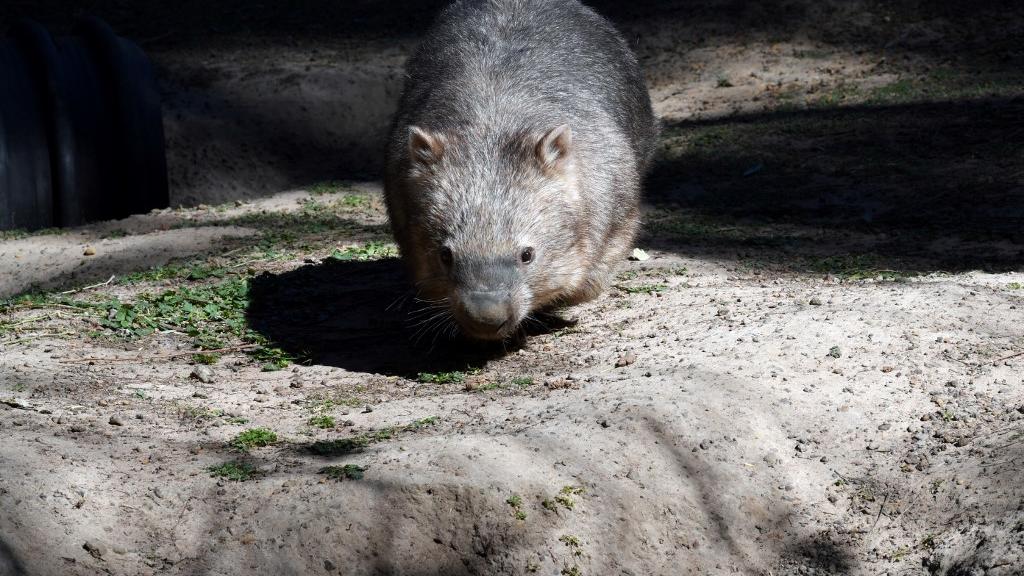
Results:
x,y
515,160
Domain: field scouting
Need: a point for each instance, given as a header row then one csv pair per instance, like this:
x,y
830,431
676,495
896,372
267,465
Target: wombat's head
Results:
x,y
499,218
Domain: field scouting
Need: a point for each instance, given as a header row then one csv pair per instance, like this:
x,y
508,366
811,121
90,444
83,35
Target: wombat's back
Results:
x,y
527,61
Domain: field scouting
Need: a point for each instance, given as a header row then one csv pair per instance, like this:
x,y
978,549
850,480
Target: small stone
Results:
x,y
815,301
834,352
296,384
722,312
884,426
116,421
367,410
625,360
203,373
89,251
329,566
639,255
604,424
94,548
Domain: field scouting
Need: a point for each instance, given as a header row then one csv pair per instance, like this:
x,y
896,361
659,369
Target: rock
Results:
x,y
19,403
815,301
639,255
204,374
115,420
884,426
89,251
835,352
329,566
296,384
625,360
367,410
94,548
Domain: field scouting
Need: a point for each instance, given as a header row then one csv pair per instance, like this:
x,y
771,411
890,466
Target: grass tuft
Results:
x,y
253,438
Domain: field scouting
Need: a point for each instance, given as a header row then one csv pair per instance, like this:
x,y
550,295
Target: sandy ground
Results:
x,y
710,424
746,401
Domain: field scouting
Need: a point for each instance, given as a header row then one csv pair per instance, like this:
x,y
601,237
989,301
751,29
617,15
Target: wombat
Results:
x,y
515,160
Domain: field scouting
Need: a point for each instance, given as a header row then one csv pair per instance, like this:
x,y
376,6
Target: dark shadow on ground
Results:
x,y
986,30
360,316
923,186
9,563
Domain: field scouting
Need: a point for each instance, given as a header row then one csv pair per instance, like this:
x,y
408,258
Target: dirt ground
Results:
x,y
817,371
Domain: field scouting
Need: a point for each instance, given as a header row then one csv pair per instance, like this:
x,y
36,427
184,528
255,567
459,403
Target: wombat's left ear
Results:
x,y
425,147
555,148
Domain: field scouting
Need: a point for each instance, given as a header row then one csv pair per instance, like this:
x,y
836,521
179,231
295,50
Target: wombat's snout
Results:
x,y
486,314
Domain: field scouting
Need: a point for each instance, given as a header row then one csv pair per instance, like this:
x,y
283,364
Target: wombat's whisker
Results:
x,y
400,300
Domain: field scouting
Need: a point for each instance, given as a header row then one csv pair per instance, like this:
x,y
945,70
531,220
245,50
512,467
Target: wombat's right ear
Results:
x,y
425,148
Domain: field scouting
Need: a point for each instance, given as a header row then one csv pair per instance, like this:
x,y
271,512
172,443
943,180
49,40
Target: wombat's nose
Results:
x,y
488,311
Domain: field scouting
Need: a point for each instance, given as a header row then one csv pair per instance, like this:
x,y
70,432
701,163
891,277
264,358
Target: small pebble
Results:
x,y
203,373
94,548
625,360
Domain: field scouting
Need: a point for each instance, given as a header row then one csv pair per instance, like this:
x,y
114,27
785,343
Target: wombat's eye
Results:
x,y
526,255
446,256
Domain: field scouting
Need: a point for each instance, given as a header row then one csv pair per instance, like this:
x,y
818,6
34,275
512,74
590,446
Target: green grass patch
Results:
x,y
322,421
253,438
565,496
856,267
573,543
213,316
329,187
345,472
342,446
454,377
177,271
235,471
200,413
369,251
20,233
516,502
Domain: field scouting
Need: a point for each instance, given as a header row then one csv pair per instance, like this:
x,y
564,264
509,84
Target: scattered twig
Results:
x,y
885,498
90,287
166,356
1005,358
